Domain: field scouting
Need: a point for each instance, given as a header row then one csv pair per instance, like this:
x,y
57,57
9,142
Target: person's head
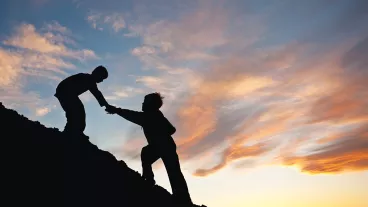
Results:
x,y
100,73
152,102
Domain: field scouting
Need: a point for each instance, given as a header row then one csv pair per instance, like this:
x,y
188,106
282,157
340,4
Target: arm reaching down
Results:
x,y
98,95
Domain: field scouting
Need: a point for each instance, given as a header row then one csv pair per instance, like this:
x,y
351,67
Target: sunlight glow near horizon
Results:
x,y
268,97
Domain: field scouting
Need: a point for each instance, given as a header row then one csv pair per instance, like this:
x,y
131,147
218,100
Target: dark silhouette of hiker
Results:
x,y
67,93
158,131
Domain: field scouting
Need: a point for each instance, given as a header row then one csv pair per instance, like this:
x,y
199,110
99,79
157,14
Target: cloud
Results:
x,y
55,26
349,152
15,97
10,64
122,92
143,50
243,87
345,107
150,81
37,54
26,37
99,21
29,53
234,153
42,111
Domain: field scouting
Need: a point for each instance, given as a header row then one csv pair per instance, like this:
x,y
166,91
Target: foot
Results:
x,y
182,201
149,181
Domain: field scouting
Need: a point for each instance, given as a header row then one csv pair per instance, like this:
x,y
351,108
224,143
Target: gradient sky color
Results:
x,y
269,98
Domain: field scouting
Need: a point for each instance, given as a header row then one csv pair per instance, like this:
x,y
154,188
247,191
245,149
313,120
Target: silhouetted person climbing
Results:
x,y
67,93
158,131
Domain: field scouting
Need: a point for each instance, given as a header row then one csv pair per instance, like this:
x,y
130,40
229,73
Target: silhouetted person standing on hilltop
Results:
x,y
67,93
158,131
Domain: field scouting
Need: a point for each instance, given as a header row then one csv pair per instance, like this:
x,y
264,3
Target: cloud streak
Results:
x,y
243,86
100,20
349,152
30,53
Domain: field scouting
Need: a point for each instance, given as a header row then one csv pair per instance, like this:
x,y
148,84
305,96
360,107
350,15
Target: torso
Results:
x,y
75,85
152,129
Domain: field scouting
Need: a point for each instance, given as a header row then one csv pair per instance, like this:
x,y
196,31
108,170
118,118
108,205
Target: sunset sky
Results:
x,y
269,98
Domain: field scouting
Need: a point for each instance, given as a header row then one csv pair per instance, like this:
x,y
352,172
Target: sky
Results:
x,y
269,98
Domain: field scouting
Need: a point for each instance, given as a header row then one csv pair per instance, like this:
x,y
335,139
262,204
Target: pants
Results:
x,y
75,114
179,187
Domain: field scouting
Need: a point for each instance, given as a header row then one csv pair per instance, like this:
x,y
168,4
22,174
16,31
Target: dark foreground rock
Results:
x,y
44,167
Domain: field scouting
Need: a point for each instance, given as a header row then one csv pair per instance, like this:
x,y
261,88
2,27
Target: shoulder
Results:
x,y
80,76
85,75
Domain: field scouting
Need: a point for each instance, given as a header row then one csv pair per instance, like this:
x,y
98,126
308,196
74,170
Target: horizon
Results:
x,y
268,98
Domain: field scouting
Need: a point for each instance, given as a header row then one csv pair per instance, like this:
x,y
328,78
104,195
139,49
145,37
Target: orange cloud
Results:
x,y
234,153
348,153
199,113
43,53
344,147
255,130
10,67
346,104
42,111
254,100
198,119
26,37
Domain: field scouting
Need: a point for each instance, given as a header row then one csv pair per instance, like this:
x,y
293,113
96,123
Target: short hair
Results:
x,y
154,99
100,71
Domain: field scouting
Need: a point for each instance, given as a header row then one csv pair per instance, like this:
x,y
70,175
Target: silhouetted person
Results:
x,y
67,93
158,131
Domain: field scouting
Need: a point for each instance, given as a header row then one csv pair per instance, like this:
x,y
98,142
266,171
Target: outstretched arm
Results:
x,y
98,95
132,116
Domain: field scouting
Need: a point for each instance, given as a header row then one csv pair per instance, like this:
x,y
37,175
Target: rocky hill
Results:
x,y
44,167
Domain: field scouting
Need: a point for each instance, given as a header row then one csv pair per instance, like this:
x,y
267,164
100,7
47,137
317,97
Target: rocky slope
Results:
x,y
44,167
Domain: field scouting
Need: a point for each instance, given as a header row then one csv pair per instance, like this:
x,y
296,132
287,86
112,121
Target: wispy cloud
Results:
x,y
26,37
42,111
121,92
348,153
101,21
46,53
243,97
55,26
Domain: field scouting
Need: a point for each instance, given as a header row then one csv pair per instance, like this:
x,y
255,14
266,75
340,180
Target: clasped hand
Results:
x,y
111,109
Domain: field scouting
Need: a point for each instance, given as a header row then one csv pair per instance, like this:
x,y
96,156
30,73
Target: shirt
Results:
x,y
156,127
75,85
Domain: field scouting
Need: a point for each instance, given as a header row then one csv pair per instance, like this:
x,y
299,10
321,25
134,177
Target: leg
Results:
x,y
148,157
177,181
75,114
79,116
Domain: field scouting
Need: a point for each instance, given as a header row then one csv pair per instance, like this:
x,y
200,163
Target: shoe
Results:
x,y
180,201
149,181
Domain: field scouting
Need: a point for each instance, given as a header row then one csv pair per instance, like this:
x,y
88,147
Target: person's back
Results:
x,y
75,85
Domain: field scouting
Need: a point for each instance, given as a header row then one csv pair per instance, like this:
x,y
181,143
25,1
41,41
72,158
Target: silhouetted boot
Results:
x,y
180,200
150,181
